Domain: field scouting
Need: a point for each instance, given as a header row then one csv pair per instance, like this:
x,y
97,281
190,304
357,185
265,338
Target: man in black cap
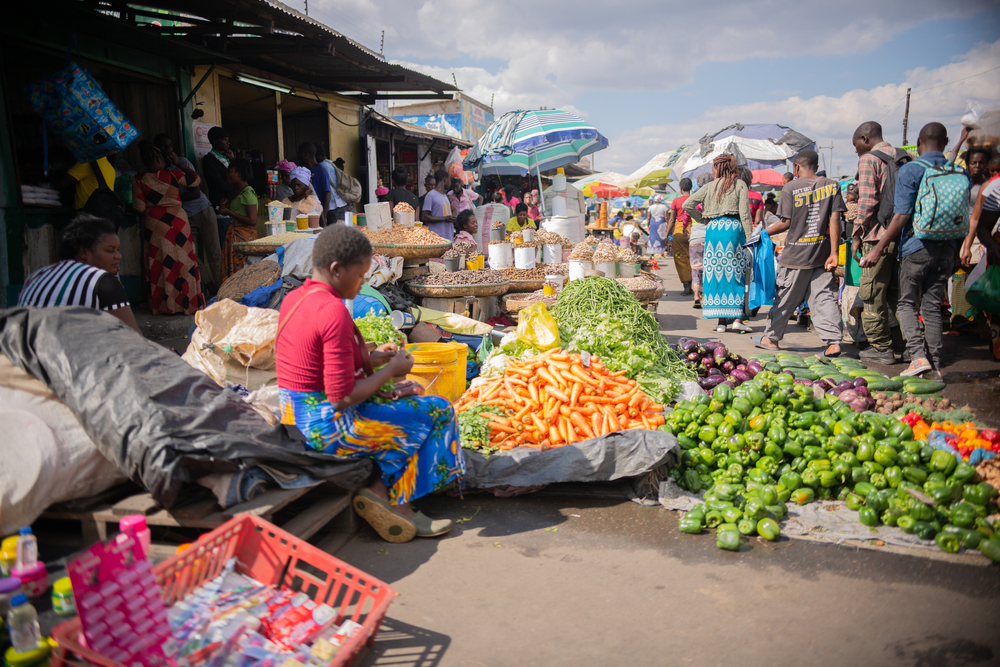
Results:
x,y
216,164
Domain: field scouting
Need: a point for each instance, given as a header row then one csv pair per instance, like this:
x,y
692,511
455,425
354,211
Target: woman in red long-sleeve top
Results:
x,y
328,390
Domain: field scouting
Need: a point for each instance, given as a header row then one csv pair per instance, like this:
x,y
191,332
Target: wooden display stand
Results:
x,y
414,268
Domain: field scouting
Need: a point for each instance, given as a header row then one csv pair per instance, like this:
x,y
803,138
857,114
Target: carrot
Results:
x,y
658,420
579,373
555,435
636,400
605,424
520,415
618,373
575,392
517,381
492,391
559,394
613,422
547,376
497,418
500,427
577,420
645,423
552,413
596,421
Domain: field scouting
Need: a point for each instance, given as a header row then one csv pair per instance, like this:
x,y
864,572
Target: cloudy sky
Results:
x,y
652,75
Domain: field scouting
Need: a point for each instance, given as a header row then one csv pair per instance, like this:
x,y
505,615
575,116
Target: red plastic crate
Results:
x,y
269,555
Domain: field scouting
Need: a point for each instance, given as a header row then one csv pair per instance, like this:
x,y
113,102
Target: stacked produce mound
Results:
x,y
403,235
479,277
600,316
551,400
605,252
551,238
582,252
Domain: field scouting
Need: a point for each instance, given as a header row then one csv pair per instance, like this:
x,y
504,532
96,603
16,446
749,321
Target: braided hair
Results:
x,y
725,171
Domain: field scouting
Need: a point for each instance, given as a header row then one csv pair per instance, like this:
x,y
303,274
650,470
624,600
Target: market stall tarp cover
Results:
x,y
615,456
162,422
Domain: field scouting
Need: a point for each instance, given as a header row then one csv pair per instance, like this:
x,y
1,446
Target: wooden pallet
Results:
x,y
96,517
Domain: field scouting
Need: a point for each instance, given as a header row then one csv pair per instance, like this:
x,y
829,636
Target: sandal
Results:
x,y
428,527
758,341
389,524
833,355
697,303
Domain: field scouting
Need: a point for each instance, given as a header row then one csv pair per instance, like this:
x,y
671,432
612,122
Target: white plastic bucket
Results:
x,y
552,253
559,206
556,279
501,256
577,268
402,320
610,269
274,228
524,258
528,234
626,269
275,212
405,218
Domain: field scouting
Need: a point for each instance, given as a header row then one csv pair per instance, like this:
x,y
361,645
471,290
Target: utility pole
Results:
x,y
307,7
381,48
906,116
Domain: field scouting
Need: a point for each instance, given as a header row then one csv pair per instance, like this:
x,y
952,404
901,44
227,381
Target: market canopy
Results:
x,y
767,177
657,171
762,145
522,141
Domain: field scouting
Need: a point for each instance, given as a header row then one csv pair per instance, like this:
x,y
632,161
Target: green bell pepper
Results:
x,y
865,451
728,539
963,515
893,475
768,495
793,449
842,468
921,512
907,458
692,480
768,529
901,431
879,481
819,465
885,455
867,516
803,495
686,442
990,549
691,524
718,505
810,479
873,468
829,479
713,518
890,516
854,501
754,509
948,542
747,527
779,510
963,472
924,530
863,489
906,523
943,462
972,538
731,515
979,494
914,475
791,480
878,500
767,464
858,475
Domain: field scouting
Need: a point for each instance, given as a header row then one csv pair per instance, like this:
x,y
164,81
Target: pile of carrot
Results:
x,y
554,400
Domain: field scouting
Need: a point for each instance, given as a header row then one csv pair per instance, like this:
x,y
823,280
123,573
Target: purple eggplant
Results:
x,y
730,384
834,392
689,345
848,396
754,367
715,371
860,382
862,391
708,362
711,381
846,384
741,367
720,353
741,375
694,357
727,366
828,383
710,345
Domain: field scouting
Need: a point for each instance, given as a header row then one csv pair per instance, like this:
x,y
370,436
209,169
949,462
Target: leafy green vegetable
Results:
x,y
600,316
473,431
378,329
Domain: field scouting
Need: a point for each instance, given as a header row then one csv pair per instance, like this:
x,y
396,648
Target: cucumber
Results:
x,y
794,361
773,366
884,385
923,387
764,357
803,373
863,372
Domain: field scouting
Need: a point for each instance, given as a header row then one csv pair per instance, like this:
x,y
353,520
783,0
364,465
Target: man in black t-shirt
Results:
x,y
809,208
399,192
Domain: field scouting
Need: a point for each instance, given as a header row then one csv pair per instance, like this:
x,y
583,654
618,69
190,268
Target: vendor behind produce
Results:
x,y
302,199
327,388
437,214
520,219
87,275
466,227
399,192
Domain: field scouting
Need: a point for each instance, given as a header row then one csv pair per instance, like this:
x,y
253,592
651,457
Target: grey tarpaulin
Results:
x,y
611,457
162,422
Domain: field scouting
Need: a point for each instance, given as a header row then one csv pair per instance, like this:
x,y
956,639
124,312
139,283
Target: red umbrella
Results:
x,y
605,191
768,177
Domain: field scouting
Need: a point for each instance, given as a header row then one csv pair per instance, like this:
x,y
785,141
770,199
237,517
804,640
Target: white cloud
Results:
x,y
832,119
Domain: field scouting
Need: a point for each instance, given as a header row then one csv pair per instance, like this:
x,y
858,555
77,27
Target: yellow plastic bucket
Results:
x,y
842,254
463,357
436,368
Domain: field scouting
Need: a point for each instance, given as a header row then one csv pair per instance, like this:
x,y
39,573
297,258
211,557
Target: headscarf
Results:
x,y
285,165
659,199
381,191
302,175
726,172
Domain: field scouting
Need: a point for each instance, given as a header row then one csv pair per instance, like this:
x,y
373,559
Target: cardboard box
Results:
x,y
378,216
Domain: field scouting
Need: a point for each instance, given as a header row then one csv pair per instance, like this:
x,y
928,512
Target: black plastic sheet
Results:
x,y
163,423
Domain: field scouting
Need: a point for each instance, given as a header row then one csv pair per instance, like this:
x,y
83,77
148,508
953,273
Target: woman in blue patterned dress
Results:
x,y
726,206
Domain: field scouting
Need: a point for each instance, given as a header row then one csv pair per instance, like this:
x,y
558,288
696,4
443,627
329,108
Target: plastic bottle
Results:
x,y
27,549
22,623
134,525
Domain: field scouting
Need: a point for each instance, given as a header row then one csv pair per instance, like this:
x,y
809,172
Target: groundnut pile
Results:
x,y
582,252
466,248
480,277
606,252
551,238
537,273
403,235
638,284
627,256
403,207
451,253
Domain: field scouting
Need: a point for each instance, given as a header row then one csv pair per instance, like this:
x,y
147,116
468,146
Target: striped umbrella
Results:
x,y
521,141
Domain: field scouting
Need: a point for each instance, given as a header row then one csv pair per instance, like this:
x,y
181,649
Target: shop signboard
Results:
x,y
202,146
445,123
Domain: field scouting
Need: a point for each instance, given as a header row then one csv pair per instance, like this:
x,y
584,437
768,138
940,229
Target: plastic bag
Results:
x,y
537,328
983,292
763,284
982,117
453,164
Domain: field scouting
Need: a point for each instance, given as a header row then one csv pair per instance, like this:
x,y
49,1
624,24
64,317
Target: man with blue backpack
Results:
x,y
931,218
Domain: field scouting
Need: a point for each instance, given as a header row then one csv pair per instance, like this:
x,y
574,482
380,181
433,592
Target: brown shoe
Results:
x,y
390,525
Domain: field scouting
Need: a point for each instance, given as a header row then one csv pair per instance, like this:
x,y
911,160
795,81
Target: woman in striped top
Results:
x,y
87,275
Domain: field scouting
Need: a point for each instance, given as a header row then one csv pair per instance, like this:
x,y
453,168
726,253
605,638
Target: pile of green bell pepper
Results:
x,y
767,443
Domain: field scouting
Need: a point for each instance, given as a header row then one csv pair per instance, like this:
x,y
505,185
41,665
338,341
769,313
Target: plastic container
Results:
x,y
274,228
524,258
559,181
552,253
402,320
463,359
559,207
268,554
302,222
63,602
22,624
10,587
36,658
27,549
471,265
480,261
276,212
452,264
626,269
498,233
134,525
8,555
501,256
556,279
436,368
578,268
313,221
528,235
35,579
610,269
